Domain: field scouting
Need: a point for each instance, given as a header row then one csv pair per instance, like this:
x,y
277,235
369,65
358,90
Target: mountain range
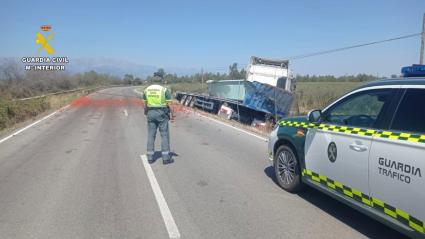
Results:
x,y
108,66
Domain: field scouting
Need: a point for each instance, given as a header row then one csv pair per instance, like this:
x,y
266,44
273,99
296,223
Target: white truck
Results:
x,y
265,94
272,72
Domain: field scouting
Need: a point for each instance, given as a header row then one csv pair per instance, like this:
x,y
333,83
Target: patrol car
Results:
x,y
367,149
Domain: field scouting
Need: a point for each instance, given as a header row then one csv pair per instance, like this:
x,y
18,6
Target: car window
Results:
x,y
410,115
281,82
359,110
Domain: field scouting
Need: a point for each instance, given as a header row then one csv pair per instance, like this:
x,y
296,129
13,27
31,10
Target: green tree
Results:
x,y
160,73
233,71
137,81
128,79
242,74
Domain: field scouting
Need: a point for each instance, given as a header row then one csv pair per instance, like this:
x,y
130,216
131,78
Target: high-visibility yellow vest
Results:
x,y
156,96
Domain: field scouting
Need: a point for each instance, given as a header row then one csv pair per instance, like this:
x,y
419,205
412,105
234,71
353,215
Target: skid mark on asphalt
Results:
x,y
86,101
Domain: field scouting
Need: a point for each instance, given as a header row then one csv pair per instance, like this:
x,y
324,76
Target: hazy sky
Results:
x,y
213,34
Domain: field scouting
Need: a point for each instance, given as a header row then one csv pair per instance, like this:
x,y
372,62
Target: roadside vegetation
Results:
x,y
317,95
55,90
193,83
15,111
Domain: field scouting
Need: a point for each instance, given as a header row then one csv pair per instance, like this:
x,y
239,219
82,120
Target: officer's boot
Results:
x,y
150,158
166,158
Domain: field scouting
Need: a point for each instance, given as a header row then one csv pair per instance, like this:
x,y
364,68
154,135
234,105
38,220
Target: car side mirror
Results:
x,y
314,116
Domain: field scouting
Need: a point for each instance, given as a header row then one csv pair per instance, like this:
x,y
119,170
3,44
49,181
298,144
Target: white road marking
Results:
x,y
137,92
125,112
234,127
170,224
29,126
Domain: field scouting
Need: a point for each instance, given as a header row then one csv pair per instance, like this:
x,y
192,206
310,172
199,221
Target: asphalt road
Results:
x,y
79,174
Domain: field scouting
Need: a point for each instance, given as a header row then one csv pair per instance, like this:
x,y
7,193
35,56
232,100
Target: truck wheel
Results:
x,y
287,169
192,103
188,99
183,99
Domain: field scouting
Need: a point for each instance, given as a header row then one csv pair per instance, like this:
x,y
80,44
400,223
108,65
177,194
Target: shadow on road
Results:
x,y
349,216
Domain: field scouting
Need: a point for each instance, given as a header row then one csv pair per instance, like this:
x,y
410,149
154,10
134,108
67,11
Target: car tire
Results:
x,y
287,169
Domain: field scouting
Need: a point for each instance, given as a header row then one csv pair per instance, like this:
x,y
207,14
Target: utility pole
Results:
x,y
421,57
202,80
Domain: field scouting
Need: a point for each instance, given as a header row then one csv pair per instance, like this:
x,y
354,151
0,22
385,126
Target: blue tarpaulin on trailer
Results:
x,y
253,95
267,98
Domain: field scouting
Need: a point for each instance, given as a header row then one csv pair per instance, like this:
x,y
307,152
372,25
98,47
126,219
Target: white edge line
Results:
x,y
29,126
138,92
170,224
234,127
125,112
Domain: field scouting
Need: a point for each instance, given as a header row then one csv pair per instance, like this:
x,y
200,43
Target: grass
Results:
x,y
188,87
12,112
317,95
15,112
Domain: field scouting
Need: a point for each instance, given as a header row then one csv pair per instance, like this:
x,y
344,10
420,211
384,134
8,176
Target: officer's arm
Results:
x,y
168,96
144,96
168,100
145,102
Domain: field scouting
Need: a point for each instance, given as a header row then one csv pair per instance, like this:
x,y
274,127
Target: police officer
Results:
x,y
158,114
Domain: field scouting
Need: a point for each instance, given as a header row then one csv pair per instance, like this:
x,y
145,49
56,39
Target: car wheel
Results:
x,y
287,169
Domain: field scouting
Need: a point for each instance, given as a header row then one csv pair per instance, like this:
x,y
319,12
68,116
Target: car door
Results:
x,y
337,150
397,163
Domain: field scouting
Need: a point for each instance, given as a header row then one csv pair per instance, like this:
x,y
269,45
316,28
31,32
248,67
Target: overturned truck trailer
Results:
x,y
265,96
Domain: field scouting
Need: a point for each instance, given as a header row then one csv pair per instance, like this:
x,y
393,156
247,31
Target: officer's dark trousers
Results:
x,y
158,119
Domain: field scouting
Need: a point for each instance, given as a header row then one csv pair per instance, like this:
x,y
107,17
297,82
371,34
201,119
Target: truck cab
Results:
x,y
272,72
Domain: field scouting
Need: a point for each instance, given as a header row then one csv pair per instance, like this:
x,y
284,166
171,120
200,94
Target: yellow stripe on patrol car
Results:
x,y
417,138
373,202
